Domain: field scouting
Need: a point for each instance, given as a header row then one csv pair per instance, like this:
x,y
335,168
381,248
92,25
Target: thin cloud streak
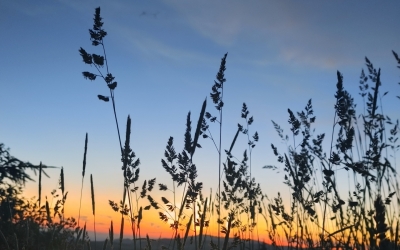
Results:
x,y
137,41
310,34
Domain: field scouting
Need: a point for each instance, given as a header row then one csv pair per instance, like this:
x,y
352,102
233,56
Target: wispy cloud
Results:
x,y
212,20
314,34
153,47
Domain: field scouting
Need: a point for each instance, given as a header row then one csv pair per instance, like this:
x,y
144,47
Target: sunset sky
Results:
x,y
165,55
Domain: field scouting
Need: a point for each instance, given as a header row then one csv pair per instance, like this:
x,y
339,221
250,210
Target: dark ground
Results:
x,y
160,243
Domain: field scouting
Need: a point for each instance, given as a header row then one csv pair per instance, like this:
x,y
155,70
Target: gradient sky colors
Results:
x,y
165,55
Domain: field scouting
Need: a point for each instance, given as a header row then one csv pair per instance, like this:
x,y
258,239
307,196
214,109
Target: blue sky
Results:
x,y
165,55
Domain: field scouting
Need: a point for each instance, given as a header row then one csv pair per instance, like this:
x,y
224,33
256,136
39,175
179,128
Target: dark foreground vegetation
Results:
x,y
362,147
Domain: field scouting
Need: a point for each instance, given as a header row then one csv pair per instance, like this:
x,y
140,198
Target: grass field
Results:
x,y
321,215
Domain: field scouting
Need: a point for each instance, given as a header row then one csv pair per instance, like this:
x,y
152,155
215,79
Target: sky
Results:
x,y
165,56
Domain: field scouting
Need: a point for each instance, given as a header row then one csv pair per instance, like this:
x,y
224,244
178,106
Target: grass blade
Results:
x,y
121,233
105,244
62,187
396,236
84,233
182,205
188,136
83,176
40,182
198,128
48,212
234,140
148,242
203,216
92,194
16,241
79,234
93,209
111,235
84,156
187,231
5,240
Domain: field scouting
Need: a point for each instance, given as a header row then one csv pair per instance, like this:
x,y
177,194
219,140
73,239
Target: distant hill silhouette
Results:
x,y
127,244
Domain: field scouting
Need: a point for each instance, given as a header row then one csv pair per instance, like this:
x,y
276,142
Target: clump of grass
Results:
x,y
130,167
34,226
129,206
360,152
185,175
245,185
172,207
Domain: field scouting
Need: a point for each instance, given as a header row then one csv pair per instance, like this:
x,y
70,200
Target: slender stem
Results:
x,y
326,194
248,139
116,119
219,166
130,214
112,95
94,226
212,139
126,189
80,203
105,55
137,211
176,229
194,224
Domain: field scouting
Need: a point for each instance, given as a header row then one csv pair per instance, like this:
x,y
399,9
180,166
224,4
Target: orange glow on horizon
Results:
x,y
151,223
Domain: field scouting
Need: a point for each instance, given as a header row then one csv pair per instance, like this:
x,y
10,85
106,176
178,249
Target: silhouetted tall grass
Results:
x,y
359,149
320,215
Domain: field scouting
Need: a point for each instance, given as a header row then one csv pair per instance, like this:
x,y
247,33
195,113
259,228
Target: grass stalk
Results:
x,y
16,241
5,240
111,235
228,231
62,187
93,209
194,226
187,230
202,220
105,244
84,234
219,178
121,232
83,176
148,242
221,79
97,37
48,212
396,236
217,98
40,183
